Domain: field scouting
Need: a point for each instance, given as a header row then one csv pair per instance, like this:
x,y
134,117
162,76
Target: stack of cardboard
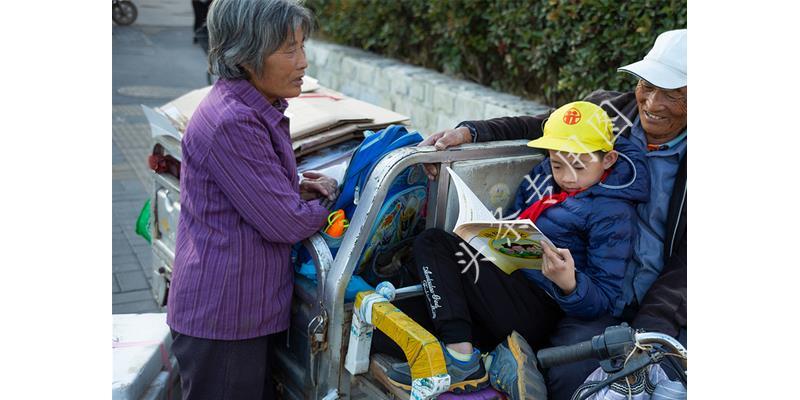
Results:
x,y
323,117
318,118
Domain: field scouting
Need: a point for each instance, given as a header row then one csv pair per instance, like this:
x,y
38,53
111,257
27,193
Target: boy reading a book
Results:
x,y
582,197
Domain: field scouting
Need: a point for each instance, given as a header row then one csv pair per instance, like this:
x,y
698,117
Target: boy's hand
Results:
x,y
559,267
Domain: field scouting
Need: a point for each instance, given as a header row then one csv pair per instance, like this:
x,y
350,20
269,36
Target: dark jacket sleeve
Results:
x,y
508,128
530,127
663,308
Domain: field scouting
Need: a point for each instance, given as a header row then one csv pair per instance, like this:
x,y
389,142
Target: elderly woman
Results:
x,y
242,204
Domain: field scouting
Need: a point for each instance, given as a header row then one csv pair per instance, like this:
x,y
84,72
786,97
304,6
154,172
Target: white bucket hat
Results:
x,y
665,64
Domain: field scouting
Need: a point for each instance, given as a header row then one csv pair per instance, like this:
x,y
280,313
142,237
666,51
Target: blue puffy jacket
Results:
x,y
598,226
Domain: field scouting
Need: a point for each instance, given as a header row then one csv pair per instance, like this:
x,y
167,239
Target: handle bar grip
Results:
x,y
555,356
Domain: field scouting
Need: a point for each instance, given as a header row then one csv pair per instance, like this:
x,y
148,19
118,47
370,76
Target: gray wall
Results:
x,y
433,100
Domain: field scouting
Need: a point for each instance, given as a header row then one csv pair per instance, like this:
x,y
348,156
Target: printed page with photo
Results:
x,y
509,244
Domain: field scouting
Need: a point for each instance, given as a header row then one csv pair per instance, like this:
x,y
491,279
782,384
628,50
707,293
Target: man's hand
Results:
x,y
442,140
317,185
559,267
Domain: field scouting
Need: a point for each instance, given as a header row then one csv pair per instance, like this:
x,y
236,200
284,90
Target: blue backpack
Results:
x,y
369,153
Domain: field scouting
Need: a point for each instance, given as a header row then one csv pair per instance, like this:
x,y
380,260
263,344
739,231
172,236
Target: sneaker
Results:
x,y
513,369
465,376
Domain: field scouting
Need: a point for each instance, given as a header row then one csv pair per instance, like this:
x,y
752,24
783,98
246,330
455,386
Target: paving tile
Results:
x,y
131,203
140,245
115,228
114,285
137,242
126,263
136,295
145,306
117,157
131,188
128,206
134,280
128,226
121,247
127,223
148,273
120,237
146,263
126,215
117,188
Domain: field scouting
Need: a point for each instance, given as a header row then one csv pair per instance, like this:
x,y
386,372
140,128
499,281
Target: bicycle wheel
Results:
x,y
124,12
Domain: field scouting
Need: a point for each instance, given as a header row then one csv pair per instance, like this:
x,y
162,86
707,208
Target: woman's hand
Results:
x,y
442,140
317,185
559,267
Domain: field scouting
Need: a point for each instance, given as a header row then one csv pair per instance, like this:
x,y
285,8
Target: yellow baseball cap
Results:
x,y
578,127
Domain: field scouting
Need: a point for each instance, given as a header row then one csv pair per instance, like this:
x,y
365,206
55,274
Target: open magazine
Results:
x,y
509,244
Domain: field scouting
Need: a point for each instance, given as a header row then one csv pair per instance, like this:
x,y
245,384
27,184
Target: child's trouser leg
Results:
x,y
482,312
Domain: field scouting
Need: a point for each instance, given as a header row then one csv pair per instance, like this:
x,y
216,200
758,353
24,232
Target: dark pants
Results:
x,y
223,369
484,312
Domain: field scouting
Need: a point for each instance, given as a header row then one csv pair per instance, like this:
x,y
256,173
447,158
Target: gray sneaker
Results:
x,y
465,376
513,369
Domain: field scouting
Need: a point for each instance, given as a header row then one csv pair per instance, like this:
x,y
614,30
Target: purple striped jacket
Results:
x,y
240,213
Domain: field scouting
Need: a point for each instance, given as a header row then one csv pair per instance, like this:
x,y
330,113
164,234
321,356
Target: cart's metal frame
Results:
x,y
327,315
338,273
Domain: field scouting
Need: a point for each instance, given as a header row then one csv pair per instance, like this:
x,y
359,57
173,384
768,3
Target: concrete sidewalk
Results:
x,y
154,61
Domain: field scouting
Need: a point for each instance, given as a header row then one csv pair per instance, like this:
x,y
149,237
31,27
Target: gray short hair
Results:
x,y
245,32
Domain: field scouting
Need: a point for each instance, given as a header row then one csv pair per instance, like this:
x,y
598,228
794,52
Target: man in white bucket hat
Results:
x,y
665,65
653,116
662,72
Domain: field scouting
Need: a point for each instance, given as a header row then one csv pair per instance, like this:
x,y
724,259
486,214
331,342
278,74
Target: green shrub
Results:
x,y
550,50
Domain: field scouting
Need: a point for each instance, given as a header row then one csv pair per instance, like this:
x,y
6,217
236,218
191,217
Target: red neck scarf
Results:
x,y
537,208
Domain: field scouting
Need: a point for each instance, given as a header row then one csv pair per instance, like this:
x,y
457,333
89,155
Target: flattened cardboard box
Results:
x,y
313,112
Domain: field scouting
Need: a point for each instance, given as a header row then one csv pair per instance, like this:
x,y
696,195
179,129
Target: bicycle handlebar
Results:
x,y
666,341
616,341
555,356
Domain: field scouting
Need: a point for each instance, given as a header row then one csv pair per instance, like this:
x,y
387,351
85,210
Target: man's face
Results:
x,y
282,72
662,111
574,172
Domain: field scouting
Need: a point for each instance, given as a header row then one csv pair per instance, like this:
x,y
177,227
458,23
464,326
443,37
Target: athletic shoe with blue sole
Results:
x,y
513,369
465,376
